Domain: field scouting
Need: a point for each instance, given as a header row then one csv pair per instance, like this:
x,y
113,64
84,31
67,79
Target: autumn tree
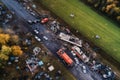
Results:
x,y
4,53
4,38
8,42
14,38
5,50
16,50
3,57
111,8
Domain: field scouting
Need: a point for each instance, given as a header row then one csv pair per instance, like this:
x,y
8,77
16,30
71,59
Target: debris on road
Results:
x,y
70,39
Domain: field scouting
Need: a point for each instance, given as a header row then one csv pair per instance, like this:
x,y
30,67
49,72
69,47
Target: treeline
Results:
x,y
109,7
8,46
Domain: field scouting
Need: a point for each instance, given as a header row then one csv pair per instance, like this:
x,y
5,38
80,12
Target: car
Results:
x,y
28,7
36,21
45,37
37,38
76,60
105,76
84,69
29,21
73,53
44,20
36,31
32,13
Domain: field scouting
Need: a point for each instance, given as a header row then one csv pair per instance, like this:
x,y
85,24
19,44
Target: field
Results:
x,y
88,23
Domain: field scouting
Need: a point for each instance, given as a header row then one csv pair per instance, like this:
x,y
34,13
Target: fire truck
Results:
x,y
65,57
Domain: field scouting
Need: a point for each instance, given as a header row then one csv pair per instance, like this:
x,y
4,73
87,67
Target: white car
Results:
x,y
76,60
105,76
32,13
29,21
36,31
37,38
45,37
73,53
84,69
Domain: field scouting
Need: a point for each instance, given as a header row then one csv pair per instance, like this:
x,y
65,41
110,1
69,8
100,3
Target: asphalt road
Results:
x,y
51,44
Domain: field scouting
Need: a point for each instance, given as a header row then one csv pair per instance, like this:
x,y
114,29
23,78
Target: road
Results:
x,y
51,44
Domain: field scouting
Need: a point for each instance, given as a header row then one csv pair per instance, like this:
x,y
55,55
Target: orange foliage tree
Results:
x,y
4,38
16,50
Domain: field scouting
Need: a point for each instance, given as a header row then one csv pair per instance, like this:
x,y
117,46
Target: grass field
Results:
x,y
89,24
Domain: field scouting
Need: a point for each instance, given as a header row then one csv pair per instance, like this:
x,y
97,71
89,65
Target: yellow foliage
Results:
x,y
117,9
109,1
16,50
3,56
5,50
4,38
108,7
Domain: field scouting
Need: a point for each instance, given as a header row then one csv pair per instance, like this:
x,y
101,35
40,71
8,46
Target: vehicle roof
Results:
x,y
65,57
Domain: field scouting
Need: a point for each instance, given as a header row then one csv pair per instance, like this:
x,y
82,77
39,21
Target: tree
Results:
x,y
14,38
5,50
109,1
4,53
117,10
109,7
3,57
16,50
4,38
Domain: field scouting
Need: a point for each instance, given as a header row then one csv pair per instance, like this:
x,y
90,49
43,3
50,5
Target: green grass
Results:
x,y
89,24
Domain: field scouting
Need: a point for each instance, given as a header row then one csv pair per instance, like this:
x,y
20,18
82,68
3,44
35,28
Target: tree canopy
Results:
x,y
16,50
109,7
8,41
4,38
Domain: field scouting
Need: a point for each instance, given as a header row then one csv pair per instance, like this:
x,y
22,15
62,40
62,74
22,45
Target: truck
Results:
x,y
63,55
79,53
